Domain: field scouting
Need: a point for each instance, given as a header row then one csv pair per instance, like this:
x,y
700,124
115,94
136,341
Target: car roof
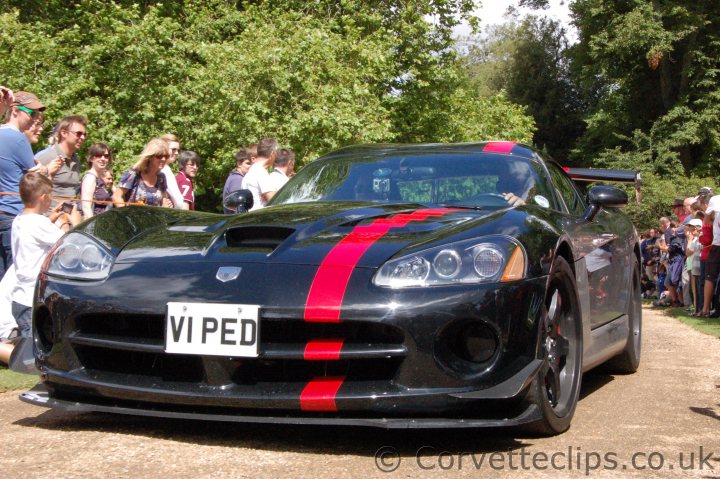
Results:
x,y
390,149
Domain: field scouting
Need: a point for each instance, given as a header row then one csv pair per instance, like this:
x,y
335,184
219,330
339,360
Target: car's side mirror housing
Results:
x,y
604,197
239,200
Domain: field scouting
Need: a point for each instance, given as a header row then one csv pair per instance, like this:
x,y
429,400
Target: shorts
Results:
x,y
712,265
675,272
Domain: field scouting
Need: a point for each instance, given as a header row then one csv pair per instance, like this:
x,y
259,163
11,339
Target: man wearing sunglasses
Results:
x,y
16,159
70,135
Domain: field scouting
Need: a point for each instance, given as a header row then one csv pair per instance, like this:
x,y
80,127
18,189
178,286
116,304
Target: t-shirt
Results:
x,y
258,182
233,183
186,189
139,191
278,179
33,236
66,181
696,248
172,188
16,157
714,207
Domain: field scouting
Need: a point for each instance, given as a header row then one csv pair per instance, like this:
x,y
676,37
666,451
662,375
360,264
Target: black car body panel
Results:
x,y
335,344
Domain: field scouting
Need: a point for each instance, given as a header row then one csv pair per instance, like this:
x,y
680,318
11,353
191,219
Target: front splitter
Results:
x,y
39,396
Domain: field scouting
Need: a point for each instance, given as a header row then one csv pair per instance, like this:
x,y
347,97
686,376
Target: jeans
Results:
x,y
23,317
6,258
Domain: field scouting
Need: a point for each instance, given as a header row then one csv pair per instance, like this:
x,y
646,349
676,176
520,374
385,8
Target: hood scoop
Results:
x,y
259,239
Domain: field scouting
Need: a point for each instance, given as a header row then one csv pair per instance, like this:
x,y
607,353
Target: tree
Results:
x,y
221,74
654,65
527,59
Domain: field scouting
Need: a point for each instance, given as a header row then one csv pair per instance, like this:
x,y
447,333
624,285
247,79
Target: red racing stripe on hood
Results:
x,y
331,279
499,147
319,394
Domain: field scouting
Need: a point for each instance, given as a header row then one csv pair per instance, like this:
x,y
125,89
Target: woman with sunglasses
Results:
x,y
143,183
94,196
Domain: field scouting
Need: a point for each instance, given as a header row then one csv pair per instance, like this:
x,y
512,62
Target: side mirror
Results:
x,y
604,197
239,200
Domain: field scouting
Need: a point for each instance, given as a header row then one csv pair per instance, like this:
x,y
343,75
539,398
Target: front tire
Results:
x,y
556,388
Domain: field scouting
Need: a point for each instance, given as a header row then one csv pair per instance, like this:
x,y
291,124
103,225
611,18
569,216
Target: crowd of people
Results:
x,y
681,258
44,195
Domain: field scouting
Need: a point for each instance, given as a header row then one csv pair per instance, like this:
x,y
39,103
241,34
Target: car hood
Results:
x,y
294,233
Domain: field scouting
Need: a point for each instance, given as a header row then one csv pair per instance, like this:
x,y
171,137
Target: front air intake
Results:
x,y
257,238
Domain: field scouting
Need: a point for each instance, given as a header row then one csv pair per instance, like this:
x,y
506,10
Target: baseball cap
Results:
x,y
695,222
678,202
27,99
705,191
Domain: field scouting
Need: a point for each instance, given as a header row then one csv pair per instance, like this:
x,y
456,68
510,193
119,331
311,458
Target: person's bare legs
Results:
x,y
6,350
708,296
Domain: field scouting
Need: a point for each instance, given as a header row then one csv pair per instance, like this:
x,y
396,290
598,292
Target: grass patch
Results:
x,y
709,326
12,381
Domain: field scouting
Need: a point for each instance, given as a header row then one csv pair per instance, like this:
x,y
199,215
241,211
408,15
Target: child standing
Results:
x,y
33,235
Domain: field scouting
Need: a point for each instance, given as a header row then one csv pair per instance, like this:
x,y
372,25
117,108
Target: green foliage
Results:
x,y
526,59
316,75
651,65
662,180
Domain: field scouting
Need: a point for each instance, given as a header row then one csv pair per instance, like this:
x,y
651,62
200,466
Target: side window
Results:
x,y
567,190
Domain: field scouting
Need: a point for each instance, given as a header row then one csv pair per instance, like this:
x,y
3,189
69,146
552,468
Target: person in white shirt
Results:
x,y
257,179
284,168
33,235
173,189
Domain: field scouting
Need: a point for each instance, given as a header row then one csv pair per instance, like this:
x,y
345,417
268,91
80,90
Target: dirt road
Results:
x,y
663,421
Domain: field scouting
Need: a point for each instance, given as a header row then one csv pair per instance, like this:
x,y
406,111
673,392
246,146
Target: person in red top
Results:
x,y
188,164
706,289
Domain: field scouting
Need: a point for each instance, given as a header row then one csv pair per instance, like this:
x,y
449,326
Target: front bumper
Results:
x,y
107,352
41,396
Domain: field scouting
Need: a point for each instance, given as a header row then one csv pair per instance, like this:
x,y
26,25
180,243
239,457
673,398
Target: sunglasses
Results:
x,y
161,156
79,134
103,155
29,111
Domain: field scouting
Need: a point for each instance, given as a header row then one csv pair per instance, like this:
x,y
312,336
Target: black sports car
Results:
x,y
389,285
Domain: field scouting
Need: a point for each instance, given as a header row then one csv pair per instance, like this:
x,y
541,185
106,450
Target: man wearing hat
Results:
x,y
16,158
677,208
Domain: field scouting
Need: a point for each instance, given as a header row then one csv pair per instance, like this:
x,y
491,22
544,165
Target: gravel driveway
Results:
x,y
663,421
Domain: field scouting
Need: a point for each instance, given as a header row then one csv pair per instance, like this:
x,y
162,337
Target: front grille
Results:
x,y
164,367
134,345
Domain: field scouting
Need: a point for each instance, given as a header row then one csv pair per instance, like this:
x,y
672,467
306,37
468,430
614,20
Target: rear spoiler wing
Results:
x,y
588,175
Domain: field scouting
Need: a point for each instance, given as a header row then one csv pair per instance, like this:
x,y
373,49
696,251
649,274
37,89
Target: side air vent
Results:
x,y
257,238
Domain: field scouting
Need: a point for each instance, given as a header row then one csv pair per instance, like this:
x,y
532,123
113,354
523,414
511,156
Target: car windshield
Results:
x,y
470,180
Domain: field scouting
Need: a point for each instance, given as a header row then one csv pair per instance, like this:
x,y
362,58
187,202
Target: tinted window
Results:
x,y
460,179
567,189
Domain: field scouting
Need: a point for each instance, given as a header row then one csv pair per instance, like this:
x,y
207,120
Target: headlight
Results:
x,y
485,260
77,256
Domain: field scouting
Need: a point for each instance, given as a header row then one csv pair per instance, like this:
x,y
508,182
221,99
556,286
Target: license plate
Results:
x,y
212,329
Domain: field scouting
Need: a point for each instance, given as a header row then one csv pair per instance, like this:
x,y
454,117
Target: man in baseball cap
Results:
x,y
27,100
